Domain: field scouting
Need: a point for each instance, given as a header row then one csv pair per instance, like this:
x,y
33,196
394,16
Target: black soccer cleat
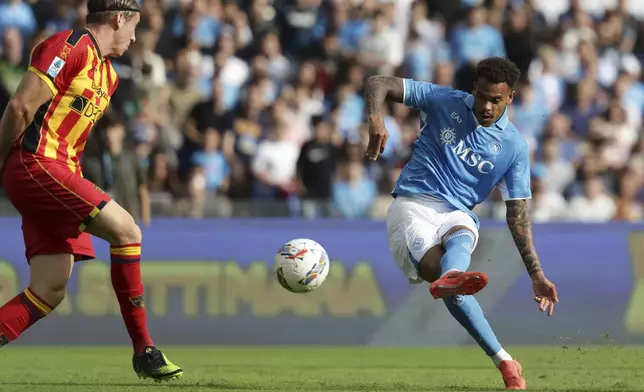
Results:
x,y
153,364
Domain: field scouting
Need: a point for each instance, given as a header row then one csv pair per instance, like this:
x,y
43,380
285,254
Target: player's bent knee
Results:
x,y
459,240
460,229
52,294
128,234
115,225
430,265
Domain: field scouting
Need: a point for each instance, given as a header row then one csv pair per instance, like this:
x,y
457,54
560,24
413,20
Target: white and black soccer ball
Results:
x,y
301,265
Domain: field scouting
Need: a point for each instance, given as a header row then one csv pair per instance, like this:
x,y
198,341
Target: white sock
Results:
x,y
501,356
451,270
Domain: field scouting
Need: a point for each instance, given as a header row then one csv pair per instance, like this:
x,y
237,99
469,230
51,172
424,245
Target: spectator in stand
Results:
x,y
557,173
520,38
547,204
221,97
274,165
316,166
628,208
353,192
18,14
595,205
476,40
381,50
12,66
118,171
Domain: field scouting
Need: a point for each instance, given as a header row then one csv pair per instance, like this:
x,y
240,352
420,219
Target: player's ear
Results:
x,y
511,96
120,20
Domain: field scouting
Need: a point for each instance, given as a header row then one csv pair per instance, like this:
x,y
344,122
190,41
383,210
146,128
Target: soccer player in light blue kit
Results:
x,y
467,146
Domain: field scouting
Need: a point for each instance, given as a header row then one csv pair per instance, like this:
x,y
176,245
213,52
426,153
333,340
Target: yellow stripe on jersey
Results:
x,y
45,79
51,141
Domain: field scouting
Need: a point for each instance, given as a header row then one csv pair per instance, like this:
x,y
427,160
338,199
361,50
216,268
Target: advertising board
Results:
x,y
211,282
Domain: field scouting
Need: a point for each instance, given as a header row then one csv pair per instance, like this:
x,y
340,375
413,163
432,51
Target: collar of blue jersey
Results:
x,y
500,124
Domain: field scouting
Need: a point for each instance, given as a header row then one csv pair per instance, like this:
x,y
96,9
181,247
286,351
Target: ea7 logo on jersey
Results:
x,y
471,158
55,67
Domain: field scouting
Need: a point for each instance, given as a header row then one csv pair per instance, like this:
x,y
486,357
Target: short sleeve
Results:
x,y
56,62
420,95
515,185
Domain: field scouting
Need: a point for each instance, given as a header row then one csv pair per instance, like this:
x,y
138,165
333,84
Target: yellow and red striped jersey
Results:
x,y
82,81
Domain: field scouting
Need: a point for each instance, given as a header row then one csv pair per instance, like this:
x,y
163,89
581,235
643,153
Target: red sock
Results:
x,y
126,281
21,313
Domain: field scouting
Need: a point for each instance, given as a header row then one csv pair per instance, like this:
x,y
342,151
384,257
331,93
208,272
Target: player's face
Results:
x,y
490,100
125,34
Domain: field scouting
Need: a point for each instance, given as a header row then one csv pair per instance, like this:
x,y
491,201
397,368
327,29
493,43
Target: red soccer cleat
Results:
x,y
455,283
512,373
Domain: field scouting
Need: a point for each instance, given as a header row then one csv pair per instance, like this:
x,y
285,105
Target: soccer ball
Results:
x,y
301,265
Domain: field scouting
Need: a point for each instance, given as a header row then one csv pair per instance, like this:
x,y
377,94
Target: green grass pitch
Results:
x,y
57,369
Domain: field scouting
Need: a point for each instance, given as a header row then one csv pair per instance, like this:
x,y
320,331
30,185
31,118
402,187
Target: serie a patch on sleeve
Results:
x,y
55,67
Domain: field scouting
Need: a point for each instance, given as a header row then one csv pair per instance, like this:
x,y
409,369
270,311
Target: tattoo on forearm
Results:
x,y
378,88
521,229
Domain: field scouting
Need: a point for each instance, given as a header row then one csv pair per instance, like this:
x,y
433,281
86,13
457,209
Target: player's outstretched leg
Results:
x,y
454,276
117,226
48,280
466,309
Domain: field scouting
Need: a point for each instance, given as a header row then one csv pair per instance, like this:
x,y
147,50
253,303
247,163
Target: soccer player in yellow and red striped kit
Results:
x,y
43,132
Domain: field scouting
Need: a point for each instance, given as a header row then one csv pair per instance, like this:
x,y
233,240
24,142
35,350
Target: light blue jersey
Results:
x,y
457,160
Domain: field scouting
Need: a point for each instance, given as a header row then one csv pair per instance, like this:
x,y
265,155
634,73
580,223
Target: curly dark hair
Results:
x,y
498,70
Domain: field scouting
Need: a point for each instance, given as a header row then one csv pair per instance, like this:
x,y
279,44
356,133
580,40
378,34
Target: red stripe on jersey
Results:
x,y
66,126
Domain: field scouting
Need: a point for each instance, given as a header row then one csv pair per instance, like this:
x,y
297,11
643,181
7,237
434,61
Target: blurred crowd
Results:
x,y
255,107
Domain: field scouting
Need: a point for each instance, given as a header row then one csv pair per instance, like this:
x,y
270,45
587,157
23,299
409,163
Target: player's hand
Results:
x,y
545,293
378,136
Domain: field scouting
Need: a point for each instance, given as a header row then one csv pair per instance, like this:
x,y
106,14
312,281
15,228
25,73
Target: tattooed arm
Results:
x,y
377,90
521,229
545,292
